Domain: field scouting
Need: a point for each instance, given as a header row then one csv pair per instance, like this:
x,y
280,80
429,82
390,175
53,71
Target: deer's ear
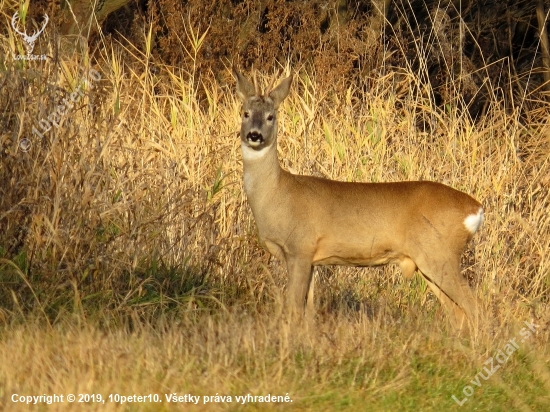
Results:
x,y
245,89
279,93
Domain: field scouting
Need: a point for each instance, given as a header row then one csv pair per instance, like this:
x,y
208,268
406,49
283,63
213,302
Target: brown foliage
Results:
x,y
476,48
134,175
254,33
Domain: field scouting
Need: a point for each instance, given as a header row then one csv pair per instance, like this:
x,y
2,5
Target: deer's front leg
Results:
x,y
300,273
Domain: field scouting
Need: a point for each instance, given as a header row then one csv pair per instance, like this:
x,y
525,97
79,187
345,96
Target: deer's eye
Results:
x,y
246,115
270,118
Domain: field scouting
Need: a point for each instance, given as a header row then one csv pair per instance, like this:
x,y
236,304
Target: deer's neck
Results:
x,y
262,173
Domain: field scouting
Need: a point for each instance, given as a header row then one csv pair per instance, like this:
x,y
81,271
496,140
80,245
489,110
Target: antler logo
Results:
x,y
29,40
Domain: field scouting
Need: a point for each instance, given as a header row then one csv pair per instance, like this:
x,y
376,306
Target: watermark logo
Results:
x,y
62,110
28,40
490,366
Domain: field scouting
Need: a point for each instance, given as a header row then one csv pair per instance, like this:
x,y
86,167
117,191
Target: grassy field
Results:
x,y
130,263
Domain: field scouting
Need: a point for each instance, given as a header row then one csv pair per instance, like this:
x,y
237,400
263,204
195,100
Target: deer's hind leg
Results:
x,y
452,290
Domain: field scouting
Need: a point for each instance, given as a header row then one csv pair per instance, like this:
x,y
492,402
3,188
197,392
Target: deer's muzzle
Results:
x,y
255,138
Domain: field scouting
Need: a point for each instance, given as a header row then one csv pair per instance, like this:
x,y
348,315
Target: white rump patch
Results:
x,y
251,154
473,222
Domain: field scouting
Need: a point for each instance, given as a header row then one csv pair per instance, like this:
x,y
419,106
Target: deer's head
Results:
x,y
259,120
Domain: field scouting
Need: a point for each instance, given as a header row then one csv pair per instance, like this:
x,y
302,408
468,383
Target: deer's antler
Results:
x,y
270,86
256,86
14,21
46,20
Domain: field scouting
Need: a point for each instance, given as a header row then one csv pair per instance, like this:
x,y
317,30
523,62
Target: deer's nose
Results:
x,y
255,137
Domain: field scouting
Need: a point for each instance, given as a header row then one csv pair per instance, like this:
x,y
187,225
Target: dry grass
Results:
x,y
130,263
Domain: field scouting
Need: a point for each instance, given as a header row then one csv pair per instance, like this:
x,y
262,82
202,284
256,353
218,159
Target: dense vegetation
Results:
x,y
129,261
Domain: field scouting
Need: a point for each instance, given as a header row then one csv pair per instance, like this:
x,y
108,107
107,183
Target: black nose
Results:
x,y
255,137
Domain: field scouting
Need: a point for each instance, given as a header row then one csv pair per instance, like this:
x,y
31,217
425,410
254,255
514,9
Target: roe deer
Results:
x,y
307,221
